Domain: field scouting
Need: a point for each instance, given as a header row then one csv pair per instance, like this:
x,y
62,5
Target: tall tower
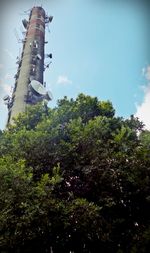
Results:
x,y
29,87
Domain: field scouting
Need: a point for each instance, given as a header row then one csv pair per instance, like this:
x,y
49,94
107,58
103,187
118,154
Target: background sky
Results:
x,y
100,48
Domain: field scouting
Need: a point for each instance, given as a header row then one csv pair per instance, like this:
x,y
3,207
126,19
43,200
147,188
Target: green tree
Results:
x,y
78,180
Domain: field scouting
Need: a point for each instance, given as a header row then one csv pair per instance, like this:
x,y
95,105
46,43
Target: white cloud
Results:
x,y
63,79
143,110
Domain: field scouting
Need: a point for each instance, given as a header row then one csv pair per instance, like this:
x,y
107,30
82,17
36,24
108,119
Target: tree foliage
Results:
x,y
74,178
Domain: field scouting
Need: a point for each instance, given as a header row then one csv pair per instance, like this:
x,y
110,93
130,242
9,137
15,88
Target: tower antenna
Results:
x,y
29,87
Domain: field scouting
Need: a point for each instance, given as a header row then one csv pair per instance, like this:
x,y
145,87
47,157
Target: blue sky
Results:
x,y
99,48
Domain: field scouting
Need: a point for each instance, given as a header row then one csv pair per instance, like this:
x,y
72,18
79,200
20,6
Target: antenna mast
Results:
x,y
29,87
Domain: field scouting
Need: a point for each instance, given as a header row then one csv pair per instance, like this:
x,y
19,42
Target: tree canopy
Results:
x,y
74,178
